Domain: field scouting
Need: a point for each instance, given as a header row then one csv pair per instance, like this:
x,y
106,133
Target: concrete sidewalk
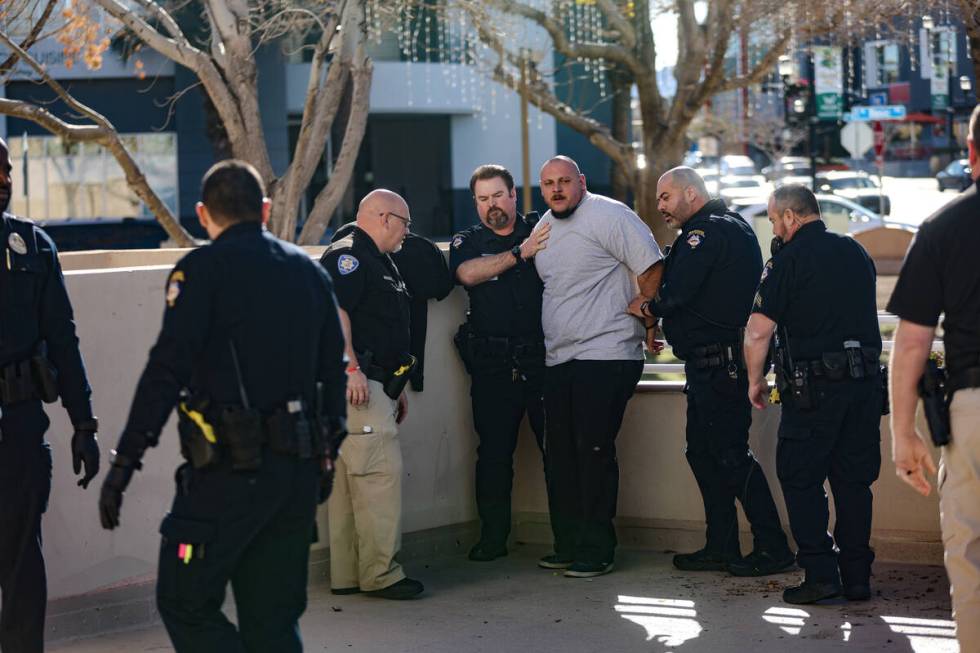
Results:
x,y
645,605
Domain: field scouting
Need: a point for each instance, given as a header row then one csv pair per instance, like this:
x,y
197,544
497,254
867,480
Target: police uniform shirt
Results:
x,y
710,277
265,298
820,286
371,290
508,304
35,309
941,274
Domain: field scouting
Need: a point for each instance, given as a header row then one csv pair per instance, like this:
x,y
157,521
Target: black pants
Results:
x,y
25,484
252,529
500,402
584,402
718,419
839,440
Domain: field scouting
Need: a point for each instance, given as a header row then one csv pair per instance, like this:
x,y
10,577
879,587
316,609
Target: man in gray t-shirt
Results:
x,y
599,254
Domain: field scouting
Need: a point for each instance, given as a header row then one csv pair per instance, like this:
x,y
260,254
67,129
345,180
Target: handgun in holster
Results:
x,y
398,378
463,342
932,389
198,440
883,379
45,377
242,432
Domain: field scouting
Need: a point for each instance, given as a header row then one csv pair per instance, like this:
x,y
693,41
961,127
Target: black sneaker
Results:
x,y
588,569
406,588
762,563
857,592
343,591
703,560
554,561
811,592
482,552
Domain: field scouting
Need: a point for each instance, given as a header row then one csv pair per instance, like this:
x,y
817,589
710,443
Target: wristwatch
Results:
x,y
516,251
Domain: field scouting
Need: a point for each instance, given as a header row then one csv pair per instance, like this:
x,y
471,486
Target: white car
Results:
x,y
734,187
833,209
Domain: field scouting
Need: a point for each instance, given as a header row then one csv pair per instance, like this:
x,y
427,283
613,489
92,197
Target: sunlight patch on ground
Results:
x,y
670,622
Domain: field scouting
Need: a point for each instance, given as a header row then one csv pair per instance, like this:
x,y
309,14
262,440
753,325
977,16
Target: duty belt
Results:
x,y
518,346
27,380
717,354
833,366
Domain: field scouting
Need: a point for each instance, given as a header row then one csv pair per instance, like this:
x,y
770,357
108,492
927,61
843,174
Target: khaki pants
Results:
x,y
365,507
959,492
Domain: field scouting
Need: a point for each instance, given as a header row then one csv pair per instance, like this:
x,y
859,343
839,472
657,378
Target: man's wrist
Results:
x,y
353,368
90,425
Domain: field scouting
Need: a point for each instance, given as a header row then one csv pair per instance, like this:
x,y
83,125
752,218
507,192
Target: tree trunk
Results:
x,y
661,156
622,124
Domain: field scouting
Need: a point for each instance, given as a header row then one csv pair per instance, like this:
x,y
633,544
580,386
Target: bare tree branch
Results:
x,y
31,37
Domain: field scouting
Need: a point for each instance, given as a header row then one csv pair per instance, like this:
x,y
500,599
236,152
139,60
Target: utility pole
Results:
x,y
525,137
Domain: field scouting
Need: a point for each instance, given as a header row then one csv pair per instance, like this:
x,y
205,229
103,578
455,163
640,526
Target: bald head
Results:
x,y
562,185
384,215
680,194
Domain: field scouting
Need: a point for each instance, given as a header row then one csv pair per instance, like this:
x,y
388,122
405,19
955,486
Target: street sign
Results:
x,y
867,114
856,138
878,131
878,98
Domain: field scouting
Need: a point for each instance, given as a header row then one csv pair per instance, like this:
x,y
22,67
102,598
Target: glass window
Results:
x,y
887,68
59,181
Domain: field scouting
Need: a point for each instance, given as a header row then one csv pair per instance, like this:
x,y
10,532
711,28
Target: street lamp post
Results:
x,y
813,119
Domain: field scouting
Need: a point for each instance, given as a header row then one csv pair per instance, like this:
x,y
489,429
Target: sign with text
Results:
x,y
868,114
828,81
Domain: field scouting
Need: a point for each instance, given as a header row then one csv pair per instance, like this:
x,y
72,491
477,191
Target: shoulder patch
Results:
x,y
173,287
16,243
457,241
695,238
347,263
765,270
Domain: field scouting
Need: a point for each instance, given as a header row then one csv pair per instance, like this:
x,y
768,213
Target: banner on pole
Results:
x,y
828,82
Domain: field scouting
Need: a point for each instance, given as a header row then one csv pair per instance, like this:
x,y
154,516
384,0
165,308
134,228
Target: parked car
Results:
x,y
710,176
736,165
735,186
787,166
859,218
956,175
856,186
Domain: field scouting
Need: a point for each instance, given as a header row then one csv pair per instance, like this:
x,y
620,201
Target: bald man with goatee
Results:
x,y
366,504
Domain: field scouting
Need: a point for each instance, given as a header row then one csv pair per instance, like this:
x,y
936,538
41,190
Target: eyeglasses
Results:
x,y
407,221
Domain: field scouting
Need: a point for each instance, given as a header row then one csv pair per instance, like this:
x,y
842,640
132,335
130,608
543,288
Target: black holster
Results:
x,y
800,387
196,433
45,378
932,389
398,378
241,431
463,343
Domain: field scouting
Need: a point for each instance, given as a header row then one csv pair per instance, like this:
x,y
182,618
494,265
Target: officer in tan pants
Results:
x,y
366,504
940,276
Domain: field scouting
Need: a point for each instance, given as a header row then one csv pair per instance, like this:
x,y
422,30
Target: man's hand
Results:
x,y
402,409
635,307
654,346
110,499
537,241
758,393
358,391
912,459
85,451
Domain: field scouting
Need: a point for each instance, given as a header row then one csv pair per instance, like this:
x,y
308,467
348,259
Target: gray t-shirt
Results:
x,y
589,269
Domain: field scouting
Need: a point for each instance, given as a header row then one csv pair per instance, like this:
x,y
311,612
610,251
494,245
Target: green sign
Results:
x,y
828,82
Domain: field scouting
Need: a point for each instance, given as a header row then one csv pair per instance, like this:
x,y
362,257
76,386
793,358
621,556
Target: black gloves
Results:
x,y
85,450
115,483
334,431
326,480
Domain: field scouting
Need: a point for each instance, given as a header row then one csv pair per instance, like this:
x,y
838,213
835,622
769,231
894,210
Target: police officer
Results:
x,y
501,342
365,511
818,295
710,277
39,360
252,350
941,275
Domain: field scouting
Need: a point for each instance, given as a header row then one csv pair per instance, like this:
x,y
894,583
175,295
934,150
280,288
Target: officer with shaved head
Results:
x,y
366,505
710,278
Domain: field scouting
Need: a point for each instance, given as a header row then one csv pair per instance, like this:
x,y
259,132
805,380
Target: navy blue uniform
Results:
x,y
710,277
820,290
275,306
34,312
506,362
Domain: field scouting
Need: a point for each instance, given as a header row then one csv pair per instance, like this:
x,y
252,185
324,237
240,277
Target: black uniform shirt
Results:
x,y
821,287
371,290
269,299
710,277
34,309
941,273
508,304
